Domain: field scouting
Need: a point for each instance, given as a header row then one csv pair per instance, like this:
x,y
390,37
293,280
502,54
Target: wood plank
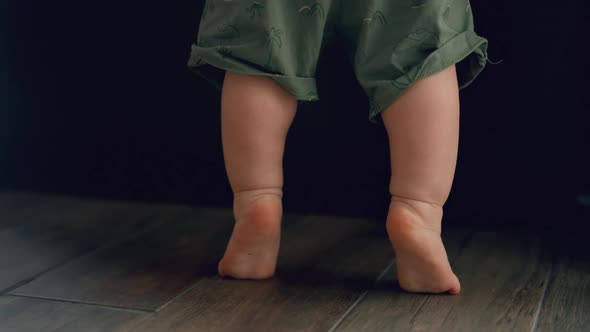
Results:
x,y
9,200
386,302
147,270
61,229
566,306
15,205
32,315
502,278
37,208
325,264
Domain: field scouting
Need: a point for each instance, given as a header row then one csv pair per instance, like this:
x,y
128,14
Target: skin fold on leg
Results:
x,y
256,114
423,131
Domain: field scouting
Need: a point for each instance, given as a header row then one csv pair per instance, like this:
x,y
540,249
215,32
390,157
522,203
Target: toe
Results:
x,y
456,288
220,269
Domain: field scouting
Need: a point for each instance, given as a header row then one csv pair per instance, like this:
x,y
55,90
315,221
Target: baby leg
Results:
x,y
423,130
256,114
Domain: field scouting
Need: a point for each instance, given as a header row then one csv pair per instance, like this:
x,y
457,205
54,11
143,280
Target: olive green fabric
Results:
x,y
392,43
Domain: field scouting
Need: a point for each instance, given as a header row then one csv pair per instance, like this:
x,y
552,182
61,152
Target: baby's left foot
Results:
x,y
421,259
254,244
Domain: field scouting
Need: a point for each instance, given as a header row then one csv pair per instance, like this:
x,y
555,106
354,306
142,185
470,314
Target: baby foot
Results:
x,y
254,244
421,260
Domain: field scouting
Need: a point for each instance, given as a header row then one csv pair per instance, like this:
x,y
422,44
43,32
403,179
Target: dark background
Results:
x,y
96,101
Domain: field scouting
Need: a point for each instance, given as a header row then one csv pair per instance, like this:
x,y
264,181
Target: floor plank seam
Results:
x,y
7,290
105,246
100,199
188,289
107,306
535,325
360,298
413,319
468,237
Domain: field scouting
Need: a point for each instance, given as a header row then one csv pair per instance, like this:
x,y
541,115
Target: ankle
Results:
x,y
244,199
250,195
421,208
422,213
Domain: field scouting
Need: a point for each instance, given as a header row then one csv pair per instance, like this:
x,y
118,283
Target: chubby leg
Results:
x,y
256,114
423,130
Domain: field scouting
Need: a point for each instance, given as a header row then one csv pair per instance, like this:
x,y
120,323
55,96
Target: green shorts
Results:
x,y
392,43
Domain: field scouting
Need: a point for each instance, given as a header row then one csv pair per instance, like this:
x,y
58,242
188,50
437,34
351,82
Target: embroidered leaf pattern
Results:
x,y
224,51
255,9
273,39
229,31
312,9
418,3
209,7
377,17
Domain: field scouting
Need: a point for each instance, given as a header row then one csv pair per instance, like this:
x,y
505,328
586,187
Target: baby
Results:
x,y
411,57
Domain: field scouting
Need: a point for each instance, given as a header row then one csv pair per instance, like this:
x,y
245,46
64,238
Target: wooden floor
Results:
x,y
69,264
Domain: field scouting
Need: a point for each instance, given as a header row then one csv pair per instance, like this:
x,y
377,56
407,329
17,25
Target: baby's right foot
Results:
x,y
254,244
421,259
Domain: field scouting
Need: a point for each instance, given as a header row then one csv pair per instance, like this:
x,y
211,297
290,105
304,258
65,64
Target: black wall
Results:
x,y
96,101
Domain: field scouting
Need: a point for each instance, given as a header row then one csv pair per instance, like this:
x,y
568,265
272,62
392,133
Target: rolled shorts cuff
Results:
x,y
211,64
467,50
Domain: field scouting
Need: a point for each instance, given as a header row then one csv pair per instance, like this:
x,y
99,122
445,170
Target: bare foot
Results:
x,y
421,260
254,244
